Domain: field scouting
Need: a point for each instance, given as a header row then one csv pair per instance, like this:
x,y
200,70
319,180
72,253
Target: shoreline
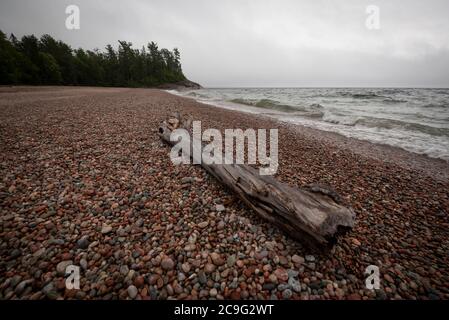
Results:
x,y
435,167
88,181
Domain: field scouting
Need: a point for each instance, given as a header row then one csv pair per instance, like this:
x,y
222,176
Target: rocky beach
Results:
x,y
87,181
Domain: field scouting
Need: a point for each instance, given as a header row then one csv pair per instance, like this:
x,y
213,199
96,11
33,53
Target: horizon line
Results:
x,y
325,87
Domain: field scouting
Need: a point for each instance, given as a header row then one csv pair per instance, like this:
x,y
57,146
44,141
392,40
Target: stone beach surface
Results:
x,y
86,181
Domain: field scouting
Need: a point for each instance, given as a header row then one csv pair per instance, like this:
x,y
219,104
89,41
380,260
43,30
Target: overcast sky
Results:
x,y
262,43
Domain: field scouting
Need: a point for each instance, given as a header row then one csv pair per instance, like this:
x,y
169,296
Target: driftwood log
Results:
x,y
312,214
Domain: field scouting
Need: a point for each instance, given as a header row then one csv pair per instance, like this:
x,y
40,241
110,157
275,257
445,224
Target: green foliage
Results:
x,y
50,72
9,66
52,62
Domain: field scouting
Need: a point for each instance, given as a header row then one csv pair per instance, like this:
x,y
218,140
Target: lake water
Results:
x,y
416,120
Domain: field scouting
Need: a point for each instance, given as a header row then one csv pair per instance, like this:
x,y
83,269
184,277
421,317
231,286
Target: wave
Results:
x,y
391,91
368,95
436,106
316,106
197,95
315,110
267,104
371,113
372,95
373,122
392,100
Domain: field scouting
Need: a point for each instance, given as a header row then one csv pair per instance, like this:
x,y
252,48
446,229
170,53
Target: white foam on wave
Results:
x,y
343,119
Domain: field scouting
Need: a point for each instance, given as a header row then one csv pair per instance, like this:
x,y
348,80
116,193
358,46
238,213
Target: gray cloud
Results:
x,y
263,43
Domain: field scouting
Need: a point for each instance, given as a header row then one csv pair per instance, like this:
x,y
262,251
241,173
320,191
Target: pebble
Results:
x,y
132,292
124,270
209,268
186,180
221,224
190,247
213,292
83,243
217,259
50,292
203,224
21,286
106,229
170,290
355,242
139,222
339,293
139,281
185,267
137,225
283,260
167,264
287,294
153,293
294,284
15,253
310,258
83,264
39,252
297,259
354,296
268,286
281,274
388,278
62,266
231,260
273,278
202,277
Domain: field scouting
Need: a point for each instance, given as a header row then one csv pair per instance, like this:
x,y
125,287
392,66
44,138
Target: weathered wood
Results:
x,y
313,214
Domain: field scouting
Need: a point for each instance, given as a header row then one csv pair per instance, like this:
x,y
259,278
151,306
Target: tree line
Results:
x,y
47,61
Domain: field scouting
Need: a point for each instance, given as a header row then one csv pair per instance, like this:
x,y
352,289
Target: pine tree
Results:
x,y
48,61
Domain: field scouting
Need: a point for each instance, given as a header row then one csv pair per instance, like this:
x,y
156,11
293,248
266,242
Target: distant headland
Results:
x,y
47,61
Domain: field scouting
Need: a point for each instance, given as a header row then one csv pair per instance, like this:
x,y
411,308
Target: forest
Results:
x,y
47,61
